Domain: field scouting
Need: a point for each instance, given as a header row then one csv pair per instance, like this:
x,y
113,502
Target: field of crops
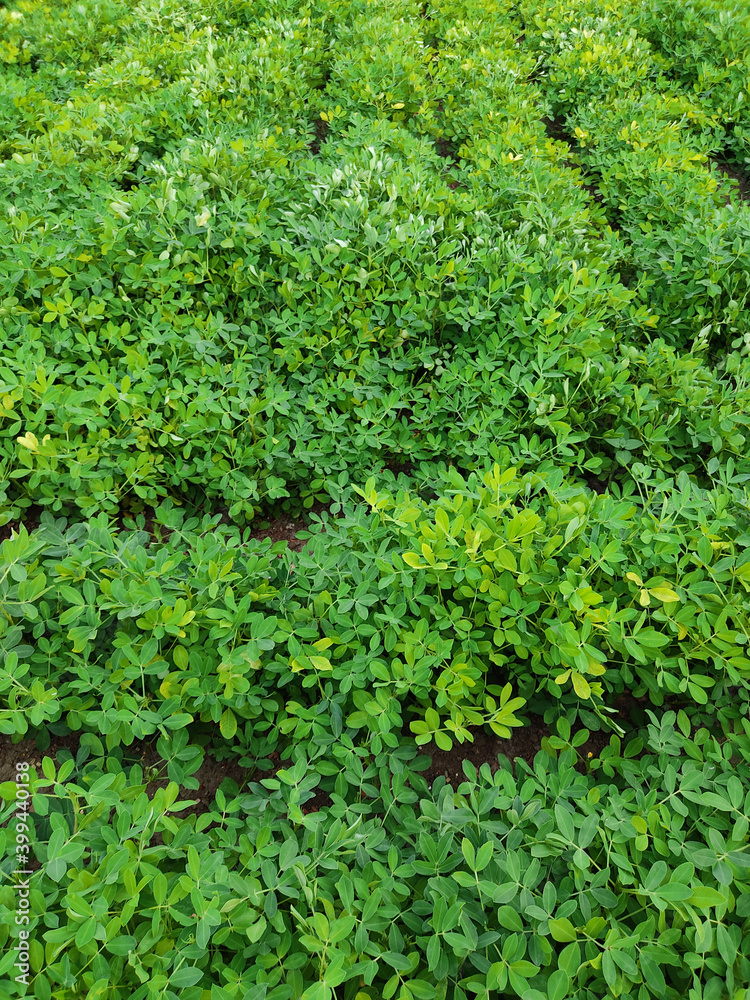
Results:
x,y
374,467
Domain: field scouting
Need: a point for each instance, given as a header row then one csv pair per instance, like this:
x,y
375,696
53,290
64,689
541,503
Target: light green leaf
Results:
x,y
705,897
562,929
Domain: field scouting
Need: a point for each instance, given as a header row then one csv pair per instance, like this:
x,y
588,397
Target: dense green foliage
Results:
x,y
469,281
541,883
567,596
197,306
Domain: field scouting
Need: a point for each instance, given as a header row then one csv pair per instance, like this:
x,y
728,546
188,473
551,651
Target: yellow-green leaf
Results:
x,y
704,897
562,929
228,724
639,823
29,441
580,685
664,594
443,741
428,553
441,520
170,686
506,559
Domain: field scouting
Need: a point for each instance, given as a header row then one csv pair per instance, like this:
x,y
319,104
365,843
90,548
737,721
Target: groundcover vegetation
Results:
x,y
462,290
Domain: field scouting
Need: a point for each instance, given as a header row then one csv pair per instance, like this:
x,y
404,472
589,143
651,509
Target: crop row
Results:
x,y
468,284
544,883
196,304
426,612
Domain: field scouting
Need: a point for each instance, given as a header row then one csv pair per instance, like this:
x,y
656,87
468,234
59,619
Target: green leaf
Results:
x,y
570,959
725,944
609,969
704,897
194,863
497,976
184,977
675,892
421,990
228,724
463,879
318,991
85,932
562,929
443,741
503,894
484,856
715,801
565,822
433,952
652,974
123,944
656,876
589,829
626,962
558,985
398,962
509,919
432,719
467,849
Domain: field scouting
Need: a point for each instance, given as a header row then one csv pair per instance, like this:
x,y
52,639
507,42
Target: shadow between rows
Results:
x,y
557,129
524,743
733,172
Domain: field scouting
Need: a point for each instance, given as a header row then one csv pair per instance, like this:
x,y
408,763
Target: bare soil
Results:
x,y
321,134
734,173
283,529
30,521
525,742
210,774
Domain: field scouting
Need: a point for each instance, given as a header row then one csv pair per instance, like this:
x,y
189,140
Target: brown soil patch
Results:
x,y
30,521
318,803
525,742
734,173
283,529
596,484
321,134
144,521
595,193
556,129
446,149
210,774
400,464
27,752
